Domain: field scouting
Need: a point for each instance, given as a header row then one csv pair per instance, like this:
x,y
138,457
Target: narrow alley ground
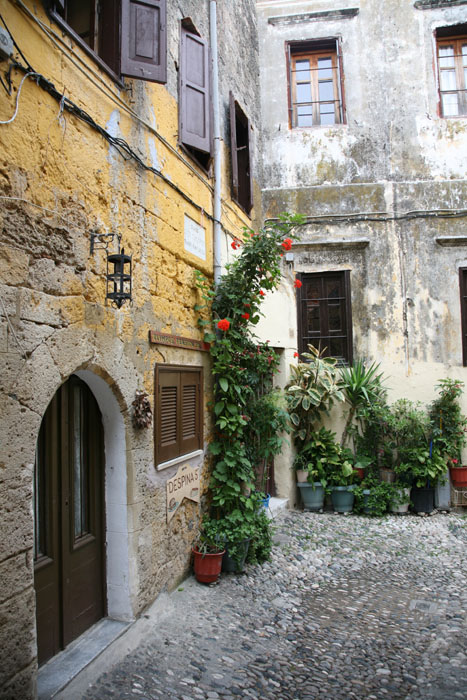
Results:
x,y
349,607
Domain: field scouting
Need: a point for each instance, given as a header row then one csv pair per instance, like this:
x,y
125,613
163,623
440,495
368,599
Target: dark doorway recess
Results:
x,y
69,532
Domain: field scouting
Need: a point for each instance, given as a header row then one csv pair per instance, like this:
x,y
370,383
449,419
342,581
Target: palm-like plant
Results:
x,y
361,386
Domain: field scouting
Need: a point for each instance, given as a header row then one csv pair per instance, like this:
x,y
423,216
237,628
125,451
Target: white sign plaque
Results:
x,y
185,484
195,238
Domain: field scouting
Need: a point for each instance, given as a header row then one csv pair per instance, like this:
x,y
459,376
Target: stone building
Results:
x,y
364,113
123,151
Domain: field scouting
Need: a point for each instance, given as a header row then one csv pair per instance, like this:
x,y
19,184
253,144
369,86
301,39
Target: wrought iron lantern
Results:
x,y
119,278
119,269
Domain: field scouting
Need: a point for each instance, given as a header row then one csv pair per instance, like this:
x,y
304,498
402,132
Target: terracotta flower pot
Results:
x,y
459,476
302,475
207,566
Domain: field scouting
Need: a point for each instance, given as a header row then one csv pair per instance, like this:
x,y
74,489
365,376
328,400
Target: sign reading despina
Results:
x,y
185,484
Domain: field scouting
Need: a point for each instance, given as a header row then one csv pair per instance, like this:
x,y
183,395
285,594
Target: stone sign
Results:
x,y
185,484
195,238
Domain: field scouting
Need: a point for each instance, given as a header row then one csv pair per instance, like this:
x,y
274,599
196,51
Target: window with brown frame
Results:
x,y
178,425
325,314
452,70
463,295
242,182
315,83
126,37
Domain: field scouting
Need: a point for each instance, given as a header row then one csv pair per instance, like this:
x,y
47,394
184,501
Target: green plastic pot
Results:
x,y
342,499
312,495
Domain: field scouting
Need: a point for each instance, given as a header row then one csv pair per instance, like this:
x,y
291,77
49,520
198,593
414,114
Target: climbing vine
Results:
x,y
242,366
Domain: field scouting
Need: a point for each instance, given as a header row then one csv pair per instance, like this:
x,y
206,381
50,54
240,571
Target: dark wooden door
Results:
x,y
69,519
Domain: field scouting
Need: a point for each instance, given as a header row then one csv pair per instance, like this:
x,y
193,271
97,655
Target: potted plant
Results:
x,y
321,453
341,478
373,496
427,468
449,427
208,551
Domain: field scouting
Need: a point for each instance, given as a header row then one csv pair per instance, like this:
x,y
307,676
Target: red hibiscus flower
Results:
x,y
297,284
261,293
296,354
246,316
235,245
287,244
223,324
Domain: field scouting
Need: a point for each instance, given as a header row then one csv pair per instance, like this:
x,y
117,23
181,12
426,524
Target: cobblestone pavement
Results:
x,y
349,607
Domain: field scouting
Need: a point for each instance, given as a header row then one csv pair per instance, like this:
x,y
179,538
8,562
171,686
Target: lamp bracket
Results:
x,y
101,241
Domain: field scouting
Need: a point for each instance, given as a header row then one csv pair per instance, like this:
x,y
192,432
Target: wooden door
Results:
x,y
69,519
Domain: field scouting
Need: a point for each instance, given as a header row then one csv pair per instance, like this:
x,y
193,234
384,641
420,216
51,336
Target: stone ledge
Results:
x,y
435,4
347,13
341,244
451,241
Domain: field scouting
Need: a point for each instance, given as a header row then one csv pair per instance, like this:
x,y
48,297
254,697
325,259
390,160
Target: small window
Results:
x,y
178,422
452,70
315,85
325,314
194,102
126,36
241,157
463,294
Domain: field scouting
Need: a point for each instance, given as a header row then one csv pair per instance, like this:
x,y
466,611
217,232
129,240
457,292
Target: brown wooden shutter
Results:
x,y
194,92
190,412
233,146
144,40
167,421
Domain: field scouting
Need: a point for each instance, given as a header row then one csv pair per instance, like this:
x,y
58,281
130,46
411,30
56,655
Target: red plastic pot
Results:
x,y
207,566
459,476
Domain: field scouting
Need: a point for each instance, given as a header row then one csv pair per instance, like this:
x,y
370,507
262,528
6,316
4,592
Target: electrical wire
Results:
x,y
58,42
28,75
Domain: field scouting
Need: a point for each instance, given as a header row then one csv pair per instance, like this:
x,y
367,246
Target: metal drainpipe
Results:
x,y
217,143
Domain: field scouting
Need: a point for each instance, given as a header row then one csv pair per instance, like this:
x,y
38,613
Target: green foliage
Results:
x,y
448,423
267,421
319,456
244,369
421,468
362,386
314,387
375,502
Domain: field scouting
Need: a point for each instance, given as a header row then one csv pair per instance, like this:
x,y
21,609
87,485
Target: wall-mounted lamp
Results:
x,y
119,268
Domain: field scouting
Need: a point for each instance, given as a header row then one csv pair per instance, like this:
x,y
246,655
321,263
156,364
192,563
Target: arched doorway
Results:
x,y
69,519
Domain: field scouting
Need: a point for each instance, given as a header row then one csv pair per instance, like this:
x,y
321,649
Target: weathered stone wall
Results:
x,y
59,181
393,156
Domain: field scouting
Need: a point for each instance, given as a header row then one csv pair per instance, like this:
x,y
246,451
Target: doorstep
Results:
x,y
62,668
276,505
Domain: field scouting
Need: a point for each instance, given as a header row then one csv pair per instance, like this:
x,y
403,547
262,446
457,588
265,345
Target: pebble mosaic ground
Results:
x,y
349,607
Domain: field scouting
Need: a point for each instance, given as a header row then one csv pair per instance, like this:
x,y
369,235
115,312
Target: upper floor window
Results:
x,y
315,84
452,66
242,182
126,36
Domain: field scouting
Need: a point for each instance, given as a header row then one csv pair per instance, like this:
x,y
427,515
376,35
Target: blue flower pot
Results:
x,y
312,495
342,499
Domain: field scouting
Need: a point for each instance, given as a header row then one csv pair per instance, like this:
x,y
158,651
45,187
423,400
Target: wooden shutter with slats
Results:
x,y
179,418
144,40
194,92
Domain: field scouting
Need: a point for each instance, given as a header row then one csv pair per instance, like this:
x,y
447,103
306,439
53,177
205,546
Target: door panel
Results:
x,y
69,576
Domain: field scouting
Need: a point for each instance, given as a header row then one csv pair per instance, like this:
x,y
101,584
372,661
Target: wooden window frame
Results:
x,y
463,304
181,445
348,335
242,180
118,43
457,42
313,50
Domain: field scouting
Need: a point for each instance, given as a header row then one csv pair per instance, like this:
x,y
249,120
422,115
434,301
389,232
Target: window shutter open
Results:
x,y
144,40
194,92
233,146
